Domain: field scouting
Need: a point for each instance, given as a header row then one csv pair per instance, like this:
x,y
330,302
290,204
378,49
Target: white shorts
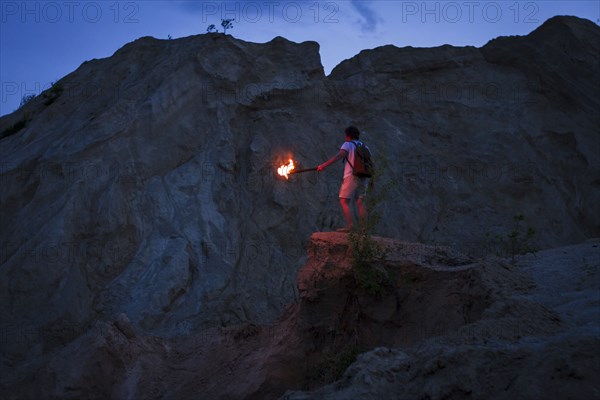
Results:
x,y
353,187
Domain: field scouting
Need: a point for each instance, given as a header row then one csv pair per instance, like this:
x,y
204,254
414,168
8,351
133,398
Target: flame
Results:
x,y
284,170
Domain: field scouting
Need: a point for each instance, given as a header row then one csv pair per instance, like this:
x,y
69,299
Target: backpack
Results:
x,y
363,164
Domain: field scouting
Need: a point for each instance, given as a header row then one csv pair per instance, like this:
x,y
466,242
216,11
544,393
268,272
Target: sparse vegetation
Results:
x,y
365,252
225,23
26,99
16,127
517,241
380,186
367,255
52,94
48,97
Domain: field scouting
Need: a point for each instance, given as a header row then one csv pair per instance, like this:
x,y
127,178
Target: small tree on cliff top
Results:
x,y
227,24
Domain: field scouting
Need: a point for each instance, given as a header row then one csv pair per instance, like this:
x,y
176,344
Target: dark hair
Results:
x,y
352,132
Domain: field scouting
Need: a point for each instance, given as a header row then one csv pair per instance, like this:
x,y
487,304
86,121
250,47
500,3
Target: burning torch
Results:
x,y
290,168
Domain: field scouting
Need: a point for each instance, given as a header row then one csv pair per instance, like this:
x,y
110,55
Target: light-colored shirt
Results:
x,y
351,149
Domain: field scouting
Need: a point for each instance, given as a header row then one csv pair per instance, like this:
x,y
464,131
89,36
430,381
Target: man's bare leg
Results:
x,y
362,212
345,203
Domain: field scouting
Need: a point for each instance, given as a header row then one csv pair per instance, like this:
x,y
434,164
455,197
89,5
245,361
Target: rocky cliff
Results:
x,y
143,184
528,330
451,326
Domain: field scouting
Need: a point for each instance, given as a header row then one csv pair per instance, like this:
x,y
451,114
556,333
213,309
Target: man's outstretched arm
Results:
x,y
339,156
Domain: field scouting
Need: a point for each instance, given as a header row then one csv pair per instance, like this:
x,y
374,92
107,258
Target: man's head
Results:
x,y
352,133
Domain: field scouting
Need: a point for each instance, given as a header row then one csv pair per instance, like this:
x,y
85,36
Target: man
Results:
x,y
353,188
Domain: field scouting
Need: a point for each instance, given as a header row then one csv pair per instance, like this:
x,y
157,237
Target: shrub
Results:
x,y
367,255
517,241
26,99
16,127
52,94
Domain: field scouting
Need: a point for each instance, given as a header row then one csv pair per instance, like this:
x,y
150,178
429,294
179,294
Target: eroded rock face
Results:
x,y
536,339
144,183
147,195
431,291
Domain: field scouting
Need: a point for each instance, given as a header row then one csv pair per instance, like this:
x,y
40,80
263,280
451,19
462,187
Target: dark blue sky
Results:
x,y
42,41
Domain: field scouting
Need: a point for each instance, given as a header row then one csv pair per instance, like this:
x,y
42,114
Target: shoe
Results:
x,y
343,230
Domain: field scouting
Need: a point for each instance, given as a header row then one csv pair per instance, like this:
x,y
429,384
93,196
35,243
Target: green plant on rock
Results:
x,y
380,186
367,256
517,241
365,252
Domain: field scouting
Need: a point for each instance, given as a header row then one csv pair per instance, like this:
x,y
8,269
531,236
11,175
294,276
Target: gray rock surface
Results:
x,y
143,184
451,326
539,341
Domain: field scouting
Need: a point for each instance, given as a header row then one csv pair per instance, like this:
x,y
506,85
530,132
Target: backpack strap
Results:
x,y
346,158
